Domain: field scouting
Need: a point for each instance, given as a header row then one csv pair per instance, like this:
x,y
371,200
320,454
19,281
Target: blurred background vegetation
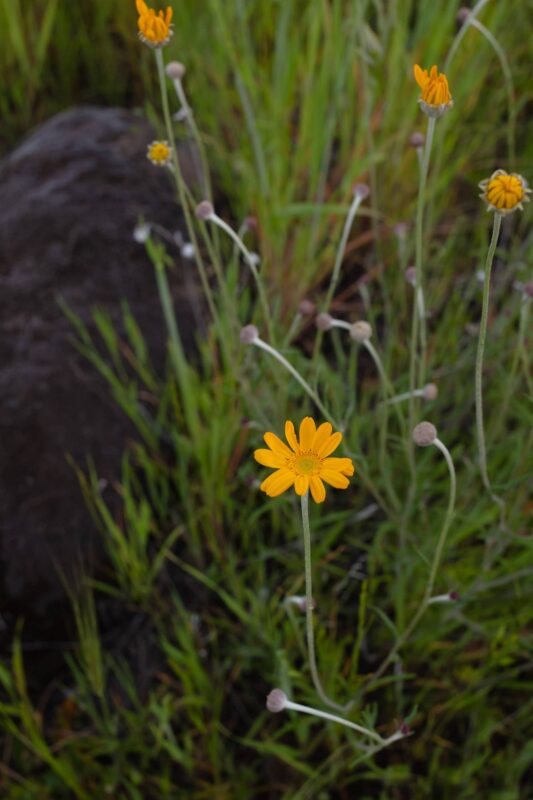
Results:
x,y
296,101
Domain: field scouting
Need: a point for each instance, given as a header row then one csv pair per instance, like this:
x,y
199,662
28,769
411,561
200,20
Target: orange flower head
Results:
x,y
155,30
435,98
305,463
504,192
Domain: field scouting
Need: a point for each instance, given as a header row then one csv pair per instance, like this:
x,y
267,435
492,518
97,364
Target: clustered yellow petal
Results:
x,y
435,98
504,192
305,463
159,153
155,30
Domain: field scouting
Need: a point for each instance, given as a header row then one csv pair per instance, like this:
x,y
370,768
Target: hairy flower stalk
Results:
x,y
309,608
360,193
175,72
250,335
212,216
180,185
278,701
503,194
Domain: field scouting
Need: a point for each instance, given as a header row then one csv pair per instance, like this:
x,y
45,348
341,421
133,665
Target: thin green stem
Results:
x,y
479,366
216,220
315,712
196,136
418,319
437,558
309,607
352,211
179,362
507,74
419,249
180,183
294,372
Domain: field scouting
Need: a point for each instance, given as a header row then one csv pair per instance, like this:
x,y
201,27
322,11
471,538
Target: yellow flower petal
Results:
x,y
278,482
276,445
307,433
301,484
421,75
323,433
330,445
335,479
290,435
318,490
269,459
343,465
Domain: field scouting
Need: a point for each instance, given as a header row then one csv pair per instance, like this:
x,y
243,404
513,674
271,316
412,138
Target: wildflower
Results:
x,y
504,192
155,30
159,153
305,464
436,97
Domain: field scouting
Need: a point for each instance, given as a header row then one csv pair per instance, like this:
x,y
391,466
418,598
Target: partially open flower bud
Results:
x,y
528,289
417,140
424,434
175,70
430,391
249,334
361,190
204,210
361,331
307,308
276,701
323,322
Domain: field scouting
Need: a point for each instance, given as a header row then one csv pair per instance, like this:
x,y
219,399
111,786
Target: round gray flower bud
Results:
x,y
430,391
204,210
417,140
276,701
175,70
249,334
410,275
361,331
463,14
361,190
424,434
323,322
307,308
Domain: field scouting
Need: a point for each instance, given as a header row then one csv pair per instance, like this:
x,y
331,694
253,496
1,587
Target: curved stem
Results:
x,y
294,372
309,607
352,211
479,365
253,269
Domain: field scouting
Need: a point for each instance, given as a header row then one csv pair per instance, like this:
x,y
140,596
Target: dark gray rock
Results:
x,y
70,197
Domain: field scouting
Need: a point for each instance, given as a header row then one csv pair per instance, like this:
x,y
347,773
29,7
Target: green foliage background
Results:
x,y
296,101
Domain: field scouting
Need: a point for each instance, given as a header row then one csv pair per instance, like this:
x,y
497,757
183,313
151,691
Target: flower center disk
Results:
x,y
307,464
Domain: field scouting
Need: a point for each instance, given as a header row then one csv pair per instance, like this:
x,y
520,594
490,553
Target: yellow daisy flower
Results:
x,y
504,192
155,30
305,463
435,98
159,153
